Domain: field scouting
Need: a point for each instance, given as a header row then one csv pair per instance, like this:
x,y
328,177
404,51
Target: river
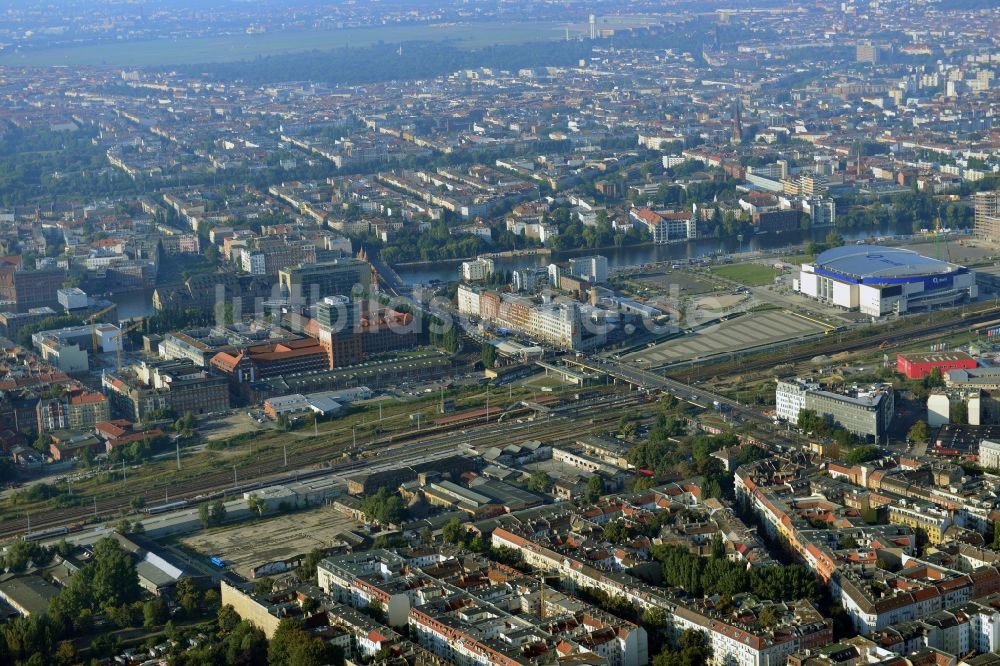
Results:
x,y
139,303
633,255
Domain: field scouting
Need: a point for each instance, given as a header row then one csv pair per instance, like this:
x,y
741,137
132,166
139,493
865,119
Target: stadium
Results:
x,y
881,280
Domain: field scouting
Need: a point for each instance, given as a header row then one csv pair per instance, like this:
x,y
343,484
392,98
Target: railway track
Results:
x,y
797,354
320,459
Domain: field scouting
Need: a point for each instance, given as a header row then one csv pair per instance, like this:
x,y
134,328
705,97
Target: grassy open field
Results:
x,y
751,275
234,47
797,259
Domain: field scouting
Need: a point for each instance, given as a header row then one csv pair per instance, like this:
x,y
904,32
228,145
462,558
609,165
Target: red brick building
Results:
x,y
29,288
271,360
121,432
918,366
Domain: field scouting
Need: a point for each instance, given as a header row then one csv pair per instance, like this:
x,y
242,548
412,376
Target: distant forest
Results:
x,y
424,60
959,5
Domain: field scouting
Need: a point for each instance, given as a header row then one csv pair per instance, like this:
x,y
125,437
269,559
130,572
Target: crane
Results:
x,y
937,234
92,320
120,337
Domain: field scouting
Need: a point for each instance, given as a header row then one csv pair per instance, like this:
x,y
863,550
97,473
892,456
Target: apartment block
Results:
x,y
866,412
477,270
466,609
987,216
733,641
556,324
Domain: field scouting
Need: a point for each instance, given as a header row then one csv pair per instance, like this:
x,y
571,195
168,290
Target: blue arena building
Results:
x,y
881,280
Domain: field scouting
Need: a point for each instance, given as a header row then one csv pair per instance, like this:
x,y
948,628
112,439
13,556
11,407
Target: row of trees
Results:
x,y
489,355
447,340
212,514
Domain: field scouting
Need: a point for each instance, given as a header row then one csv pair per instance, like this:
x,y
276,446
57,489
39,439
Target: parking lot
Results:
x,y
746,332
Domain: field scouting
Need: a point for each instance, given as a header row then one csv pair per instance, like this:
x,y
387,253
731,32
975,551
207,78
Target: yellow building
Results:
x,y
920,516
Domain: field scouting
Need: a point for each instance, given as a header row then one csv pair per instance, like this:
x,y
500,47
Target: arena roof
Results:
x,y
876,261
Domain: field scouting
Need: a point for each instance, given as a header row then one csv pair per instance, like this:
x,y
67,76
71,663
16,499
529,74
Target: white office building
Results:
x,y
592,269
477,270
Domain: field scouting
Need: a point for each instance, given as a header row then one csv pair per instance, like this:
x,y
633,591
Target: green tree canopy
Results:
x,y
383,507
540,482
919,432
861,454
595,488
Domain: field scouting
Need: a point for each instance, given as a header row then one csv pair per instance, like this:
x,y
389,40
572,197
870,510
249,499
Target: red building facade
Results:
x,y
918,366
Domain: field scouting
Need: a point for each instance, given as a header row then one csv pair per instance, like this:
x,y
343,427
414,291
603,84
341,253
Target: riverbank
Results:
x,y
649,253
511,254
455,261
435,262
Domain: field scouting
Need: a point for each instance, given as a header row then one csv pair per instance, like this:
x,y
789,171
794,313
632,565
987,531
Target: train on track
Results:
x,y
358,459
50,533
164,508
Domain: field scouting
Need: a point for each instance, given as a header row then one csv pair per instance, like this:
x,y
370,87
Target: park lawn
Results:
x,y
751,275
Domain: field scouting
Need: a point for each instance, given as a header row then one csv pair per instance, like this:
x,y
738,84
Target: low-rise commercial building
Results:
x,y
918,366
28,595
